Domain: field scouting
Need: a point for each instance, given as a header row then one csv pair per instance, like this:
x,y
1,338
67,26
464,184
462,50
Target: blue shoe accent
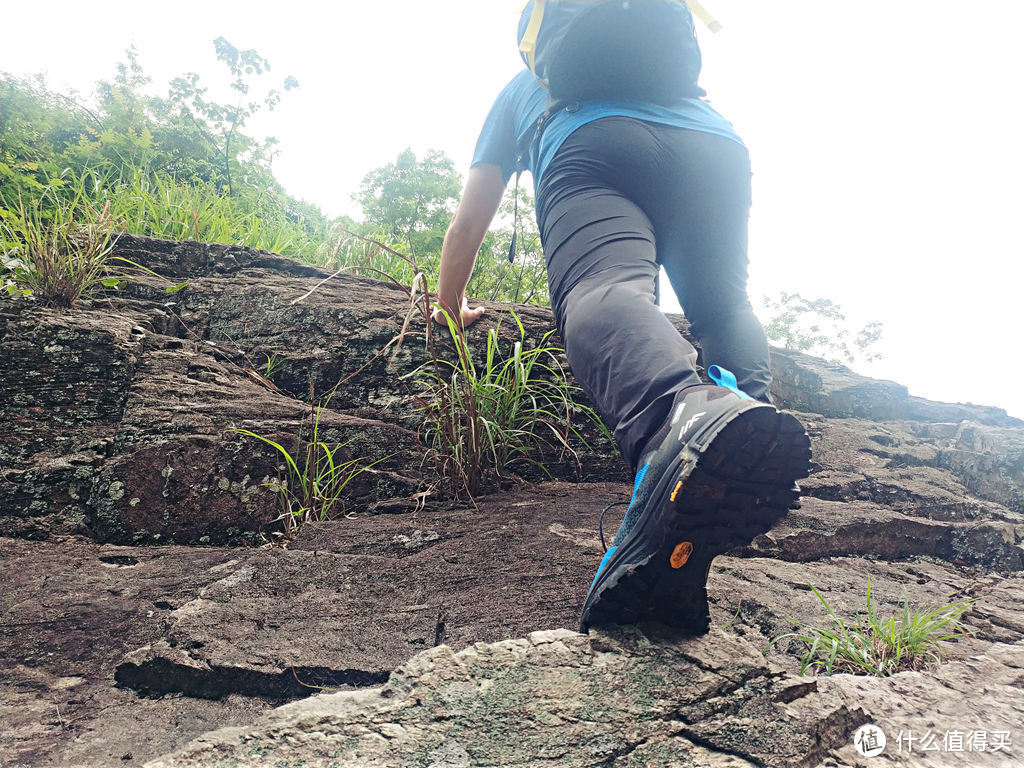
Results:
x,y
636,484
627,523
604,562
636,503
723,377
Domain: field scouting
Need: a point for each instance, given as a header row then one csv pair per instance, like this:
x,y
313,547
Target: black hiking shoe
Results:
x,y
720,473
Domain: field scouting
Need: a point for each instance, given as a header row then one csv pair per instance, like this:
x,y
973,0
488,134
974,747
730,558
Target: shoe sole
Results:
x,y
730,484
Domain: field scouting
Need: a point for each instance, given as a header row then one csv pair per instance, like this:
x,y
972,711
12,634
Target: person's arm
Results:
x,y
480,200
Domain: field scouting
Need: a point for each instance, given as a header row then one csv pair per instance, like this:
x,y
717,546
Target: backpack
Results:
x,y
584,50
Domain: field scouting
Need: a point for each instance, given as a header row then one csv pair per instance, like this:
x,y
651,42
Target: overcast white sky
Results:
x,y
885,136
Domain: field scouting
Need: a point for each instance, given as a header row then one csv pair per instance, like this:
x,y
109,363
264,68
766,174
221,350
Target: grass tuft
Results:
x,y
482,419
906,641
58,249
316,478
60,253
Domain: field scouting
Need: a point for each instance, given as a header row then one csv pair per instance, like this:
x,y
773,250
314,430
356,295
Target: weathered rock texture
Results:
x,y
120,416
622,699
118,422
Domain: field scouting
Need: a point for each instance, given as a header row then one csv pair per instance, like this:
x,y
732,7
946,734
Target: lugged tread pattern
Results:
x,y
734,488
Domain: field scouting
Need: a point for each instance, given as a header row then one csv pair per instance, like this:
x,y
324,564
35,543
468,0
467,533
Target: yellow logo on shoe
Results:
x,y
675,492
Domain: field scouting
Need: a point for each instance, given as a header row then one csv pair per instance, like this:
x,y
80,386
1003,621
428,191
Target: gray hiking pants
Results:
x,y
619,198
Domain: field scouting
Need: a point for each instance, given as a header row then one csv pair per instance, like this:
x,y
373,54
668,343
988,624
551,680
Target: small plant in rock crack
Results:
x,y
482,419
273,364
316,477
872,646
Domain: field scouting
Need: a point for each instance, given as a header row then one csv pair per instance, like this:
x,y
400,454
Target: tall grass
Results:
x,y
157,206
58,250
483,419
369,256
58,246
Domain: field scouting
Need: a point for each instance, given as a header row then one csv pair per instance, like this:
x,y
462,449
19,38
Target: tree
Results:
x,y
185,136
123,136
819,327
412,201
36,128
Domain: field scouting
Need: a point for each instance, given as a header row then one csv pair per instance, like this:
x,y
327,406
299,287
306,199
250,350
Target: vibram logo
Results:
x,y
675,491
681,554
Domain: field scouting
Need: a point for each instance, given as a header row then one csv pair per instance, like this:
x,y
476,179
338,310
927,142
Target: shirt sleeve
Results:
x,y
497,142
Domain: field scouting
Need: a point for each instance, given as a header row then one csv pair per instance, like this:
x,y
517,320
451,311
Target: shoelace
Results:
x,y
600,523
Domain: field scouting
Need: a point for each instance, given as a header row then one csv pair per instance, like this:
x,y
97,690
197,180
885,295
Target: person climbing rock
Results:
x,y
633,170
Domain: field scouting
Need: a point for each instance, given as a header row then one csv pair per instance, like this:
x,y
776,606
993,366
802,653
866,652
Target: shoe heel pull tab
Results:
x,y
723,377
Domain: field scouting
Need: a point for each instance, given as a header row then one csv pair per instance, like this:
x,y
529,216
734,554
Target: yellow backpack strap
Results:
x,y
528,44
701,13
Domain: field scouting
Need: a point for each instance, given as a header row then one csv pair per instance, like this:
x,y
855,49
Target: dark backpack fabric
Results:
x,y
588,50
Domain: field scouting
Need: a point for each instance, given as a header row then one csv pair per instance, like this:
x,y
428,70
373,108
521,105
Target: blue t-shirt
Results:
x,y
510,125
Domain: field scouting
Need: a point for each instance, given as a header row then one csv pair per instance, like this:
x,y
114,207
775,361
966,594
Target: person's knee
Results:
x,y
717,310
604,302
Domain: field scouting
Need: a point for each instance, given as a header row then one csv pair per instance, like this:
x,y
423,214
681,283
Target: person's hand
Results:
x,y
466,317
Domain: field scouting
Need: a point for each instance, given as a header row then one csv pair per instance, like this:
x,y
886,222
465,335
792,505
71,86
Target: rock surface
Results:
x,y
437,618
622,699
555,697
